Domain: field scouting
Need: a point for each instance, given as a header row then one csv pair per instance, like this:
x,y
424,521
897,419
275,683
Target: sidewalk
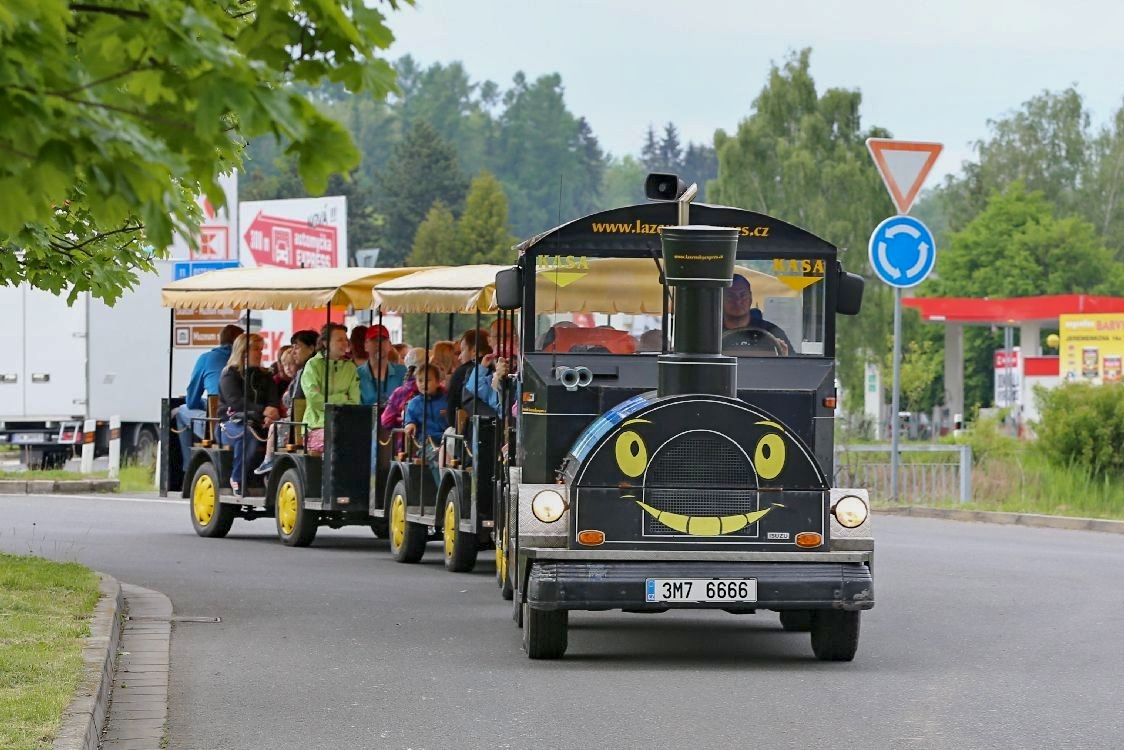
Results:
x,y
123,702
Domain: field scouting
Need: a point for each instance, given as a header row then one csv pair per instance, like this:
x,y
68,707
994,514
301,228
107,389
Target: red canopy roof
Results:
x,y
1012,310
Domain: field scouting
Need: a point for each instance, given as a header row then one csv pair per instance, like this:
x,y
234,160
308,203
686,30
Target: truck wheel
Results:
x,y
210,517
296,525
460,548
835,634
796,620
143,449
407,540
544,632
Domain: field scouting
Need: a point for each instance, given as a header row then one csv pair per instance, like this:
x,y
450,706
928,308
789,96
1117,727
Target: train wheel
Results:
x,y
796,620
407,540
544,632
460,548
835,634
296,526
209,516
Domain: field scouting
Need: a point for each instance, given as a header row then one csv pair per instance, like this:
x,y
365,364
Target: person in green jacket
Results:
x,y
331,363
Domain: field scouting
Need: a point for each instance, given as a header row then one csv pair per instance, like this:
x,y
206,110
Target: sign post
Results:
x,y
902,250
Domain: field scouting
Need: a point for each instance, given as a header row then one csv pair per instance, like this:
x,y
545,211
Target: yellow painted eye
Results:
x,y
768,459
632,455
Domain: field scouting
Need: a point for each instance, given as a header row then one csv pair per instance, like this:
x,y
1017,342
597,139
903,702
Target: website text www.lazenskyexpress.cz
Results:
x,y
639,227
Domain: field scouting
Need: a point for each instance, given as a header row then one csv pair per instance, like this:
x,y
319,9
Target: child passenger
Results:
x,y
430,406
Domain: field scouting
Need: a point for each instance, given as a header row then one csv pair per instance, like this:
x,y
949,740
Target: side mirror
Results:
x,y
850,294
509,288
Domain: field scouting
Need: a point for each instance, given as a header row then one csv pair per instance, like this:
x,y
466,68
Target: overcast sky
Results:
x,y
936,72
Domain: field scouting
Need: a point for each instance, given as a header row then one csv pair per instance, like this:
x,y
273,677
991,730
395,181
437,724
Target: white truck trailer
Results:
x,y
63,364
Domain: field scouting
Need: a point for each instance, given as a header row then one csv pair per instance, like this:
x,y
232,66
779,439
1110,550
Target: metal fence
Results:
x,y
945,473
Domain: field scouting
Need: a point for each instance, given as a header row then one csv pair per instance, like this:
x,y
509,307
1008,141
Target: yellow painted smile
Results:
x,y
704,525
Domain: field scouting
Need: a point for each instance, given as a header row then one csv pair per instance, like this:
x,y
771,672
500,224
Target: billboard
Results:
x,y
216,233
293,233
1091,347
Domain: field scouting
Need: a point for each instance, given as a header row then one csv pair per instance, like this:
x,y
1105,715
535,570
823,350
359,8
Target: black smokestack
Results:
x,y
698,263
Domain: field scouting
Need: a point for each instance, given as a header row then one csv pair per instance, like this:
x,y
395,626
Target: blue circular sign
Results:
x,y
902,251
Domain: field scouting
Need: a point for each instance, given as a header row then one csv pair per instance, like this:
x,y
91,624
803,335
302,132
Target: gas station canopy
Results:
x,y
1011,310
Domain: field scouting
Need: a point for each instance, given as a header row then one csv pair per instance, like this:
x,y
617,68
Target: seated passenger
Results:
x,y
483,385
473,346
738,313
378,375
391,416
429,410
205,378
444,357
249,404
329,377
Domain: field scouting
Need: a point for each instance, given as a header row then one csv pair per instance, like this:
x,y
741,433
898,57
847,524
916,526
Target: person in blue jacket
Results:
x,y
428,411
204,380
379,376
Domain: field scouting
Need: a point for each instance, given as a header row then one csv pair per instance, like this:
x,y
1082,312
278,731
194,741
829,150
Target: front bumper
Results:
x,y
560,583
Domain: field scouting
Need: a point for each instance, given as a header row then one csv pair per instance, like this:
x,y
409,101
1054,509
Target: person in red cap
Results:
x,y
378,376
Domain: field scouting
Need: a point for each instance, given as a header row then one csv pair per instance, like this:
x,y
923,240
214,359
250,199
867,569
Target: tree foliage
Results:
x,y
801,157
422,170
116,116
482,232
435,243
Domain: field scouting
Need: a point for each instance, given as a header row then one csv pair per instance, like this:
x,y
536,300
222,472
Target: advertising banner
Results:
x,y
216,233
1091,347
293,233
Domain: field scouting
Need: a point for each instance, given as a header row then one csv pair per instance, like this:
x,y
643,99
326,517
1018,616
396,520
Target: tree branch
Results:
x,y
120,12
136,68
71,247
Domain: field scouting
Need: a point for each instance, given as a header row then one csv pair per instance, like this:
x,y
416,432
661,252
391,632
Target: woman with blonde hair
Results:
x,y
444,358
248,402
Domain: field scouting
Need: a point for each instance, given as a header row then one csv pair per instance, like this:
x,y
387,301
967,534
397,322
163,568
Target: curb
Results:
x,y
1071,523
51,486
84,719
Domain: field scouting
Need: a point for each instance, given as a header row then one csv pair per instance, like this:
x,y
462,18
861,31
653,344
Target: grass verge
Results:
x,y
132,477
45,608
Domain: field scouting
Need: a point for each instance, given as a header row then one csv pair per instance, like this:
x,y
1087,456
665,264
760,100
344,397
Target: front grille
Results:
x,y
700,474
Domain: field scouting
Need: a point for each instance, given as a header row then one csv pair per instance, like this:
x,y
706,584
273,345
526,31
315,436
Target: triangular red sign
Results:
x,y
904,165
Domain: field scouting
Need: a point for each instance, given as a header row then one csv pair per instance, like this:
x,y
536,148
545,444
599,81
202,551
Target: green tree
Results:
x,y
622,183
483,235
801,157
1017,247
422,170
115,116
548,160
435,243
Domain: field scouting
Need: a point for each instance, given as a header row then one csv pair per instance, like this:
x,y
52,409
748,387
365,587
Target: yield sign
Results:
x,y
904,165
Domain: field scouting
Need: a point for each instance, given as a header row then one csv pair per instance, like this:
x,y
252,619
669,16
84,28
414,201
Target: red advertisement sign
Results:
x,y
277,241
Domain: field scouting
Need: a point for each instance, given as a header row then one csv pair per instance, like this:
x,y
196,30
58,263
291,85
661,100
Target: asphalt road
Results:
x,y
983,637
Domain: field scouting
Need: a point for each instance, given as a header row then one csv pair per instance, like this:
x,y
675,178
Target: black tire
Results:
x,y
296,525
545,632
380,528
143,450
835,634
210,517
407,540
460,547
796,620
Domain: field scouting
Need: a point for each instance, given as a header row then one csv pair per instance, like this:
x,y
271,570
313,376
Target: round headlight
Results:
x,y
850,511
548,506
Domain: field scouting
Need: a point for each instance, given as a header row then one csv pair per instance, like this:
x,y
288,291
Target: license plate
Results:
x,y
701,590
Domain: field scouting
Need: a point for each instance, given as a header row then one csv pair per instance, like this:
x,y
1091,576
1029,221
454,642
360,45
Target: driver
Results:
x,y
738,313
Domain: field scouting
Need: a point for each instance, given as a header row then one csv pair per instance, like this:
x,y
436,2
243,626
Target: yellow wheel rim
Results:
x,y
398,521
287,508
203,500
501,562
450,529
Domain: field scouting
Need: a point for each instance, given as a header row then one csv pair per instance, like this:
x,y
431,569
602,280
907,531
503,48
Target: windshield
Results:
x,y
600,305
